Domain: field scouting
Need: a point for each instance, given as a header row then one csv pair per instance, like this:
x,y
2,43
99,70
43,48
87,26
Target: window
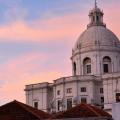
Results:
x,y
117,97
59,103
74,68
83,89
105,67
69,103
87,66
93,18
97,18
36,105
69,90
83,100
101,90
102,100
58,92
88,69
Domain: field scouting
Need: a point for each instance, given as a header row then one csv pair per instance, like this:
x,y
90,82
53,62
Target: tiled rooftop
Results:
x,y
82,111
18,111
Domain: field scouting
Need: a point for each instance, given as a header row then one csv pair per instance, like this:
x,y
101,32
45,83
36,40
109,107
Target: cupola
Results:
x,y
96,17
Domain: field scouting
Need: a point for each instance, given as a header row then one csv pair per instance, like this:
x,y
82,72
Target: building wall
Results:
x,y
62,85
116,111
40,93
46,95
39,96
97,94
96,57
63,93
111,84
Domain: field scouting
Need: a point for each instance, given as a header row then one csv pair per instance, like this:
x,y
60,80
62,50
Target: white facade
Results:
x,y
39,95
116,111
96,72
64,89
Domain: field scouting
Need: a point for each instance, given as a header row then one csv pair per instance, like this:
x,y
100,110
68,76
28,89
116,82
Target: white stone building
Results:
x,y
116,111
96,72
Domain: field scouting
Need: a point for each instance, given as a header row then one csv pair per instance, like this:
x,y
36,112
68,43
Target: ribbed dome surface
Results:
x,y
97,35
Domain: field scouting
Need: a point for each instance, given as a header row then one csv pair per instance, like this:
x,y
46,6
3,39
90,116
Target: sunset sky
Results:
x,y
37,36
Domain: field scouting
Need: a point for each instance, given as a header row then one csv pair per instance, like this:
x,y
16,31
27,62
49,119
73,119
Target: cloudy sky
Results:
x,y
37,36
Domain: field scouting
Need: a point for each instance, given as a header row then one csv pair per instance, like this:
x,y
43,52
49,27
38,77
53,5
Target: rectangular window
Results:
x,y
101,90
97,18
105,67
88,69
59,104
69,90
58,92
36,105
83,100
83,89
69,103
102,99
117,97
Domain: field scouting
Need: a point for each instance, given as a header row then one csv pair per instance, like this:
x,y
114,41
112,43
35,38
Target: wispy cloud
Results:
x,y
27,69
59,28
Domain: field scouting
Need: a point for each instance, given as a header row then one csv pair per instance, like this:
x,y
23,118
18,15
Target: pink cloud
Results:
x,y
112,18
15,90
58,28
65,27
16,73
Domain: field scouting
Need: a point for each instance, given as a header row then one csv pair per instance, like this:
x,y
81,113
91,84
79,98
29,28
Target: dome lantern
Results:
x,y
96,17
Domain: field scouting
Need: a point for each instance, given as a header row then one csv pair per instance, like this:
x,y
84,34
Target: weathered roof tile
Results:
x,y
18,111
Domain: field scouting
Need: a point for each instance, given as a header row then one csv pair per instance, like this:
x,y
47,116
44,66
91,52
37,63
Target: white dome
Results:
x,y
97,35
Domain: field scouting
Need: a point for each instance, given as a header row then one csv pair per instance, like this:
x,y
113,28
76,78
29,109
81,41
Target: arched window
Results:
x,y
87,65
107,64
74,68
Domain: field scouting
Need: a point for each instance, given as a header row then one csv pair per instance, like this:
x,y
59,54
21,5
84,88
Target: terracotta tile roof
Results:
x,y
18,111
82,111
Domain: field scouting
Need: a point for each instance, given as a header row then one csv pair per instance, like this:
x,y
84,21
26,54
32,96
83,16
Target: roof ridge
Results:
x,y
25,107
89,107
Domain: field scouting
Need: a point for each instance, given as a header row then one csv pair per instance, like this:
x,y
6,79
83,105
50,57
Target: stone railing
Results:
x,y
75,78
